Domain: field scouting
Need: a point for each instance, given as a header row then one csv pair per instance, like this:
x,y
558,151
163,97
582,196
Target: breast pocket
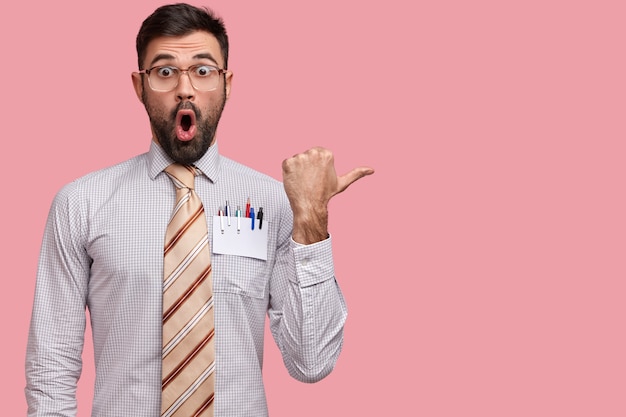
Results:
x,y
240,275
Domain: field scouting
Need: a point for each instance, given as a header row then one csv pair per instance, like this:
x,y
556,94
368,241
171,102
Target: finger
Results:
x,y
345,180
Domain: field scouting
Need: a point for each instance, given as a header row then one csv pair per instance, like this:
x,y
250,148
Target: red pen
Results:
x,y
248,208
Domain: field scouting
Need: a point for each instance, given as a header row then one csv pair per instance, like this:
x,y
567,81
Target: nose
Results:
x,y
184,89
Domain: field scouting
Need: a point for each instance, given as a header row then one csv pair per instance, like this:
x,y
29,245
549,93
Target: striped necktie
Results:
x,y
188,383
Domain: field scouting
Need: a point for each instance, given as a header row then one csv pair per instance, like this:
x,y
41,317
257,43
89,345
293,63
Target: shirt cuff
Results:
x,y
314,262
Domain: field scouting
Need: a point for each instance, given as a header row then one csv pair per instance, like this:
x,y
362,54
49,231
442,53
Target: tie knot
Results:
x,y
183,176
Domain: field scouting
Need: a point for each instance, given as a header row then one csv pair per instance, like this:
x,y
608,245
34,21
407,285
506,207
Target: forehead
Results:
x,y
181,49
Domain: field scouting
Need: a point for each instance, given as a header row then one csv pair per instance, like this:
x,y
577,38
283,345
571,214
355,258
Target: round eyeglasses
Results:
x,y
165,78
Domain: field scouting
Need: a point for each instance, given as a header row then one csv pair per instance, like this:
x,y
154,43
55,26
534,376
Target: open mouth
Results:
x,y
185,124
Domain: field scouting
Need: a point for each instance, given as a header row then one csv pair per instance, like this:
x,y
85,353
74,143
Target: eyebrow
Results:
x,y
204,55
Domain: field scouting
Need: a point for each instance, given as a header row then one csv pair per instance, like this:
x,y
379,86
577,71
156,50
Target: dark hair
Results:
x,y
180,19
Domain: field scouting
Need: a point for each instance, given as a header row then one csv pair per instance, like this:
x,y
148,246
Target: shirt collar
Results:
x,y
209,164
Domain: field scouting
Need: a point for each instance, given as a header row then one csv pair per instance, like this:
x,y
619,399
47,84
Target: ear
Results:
x,y
228,80
138,85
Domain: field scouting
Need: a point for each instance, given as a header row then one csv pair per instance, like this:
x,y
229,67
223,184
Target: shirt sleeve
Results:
x,y
307,310
57,328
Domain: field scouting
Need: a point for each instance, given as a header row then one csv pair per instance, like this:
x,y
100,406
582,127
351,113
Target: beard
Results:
x,y
164,128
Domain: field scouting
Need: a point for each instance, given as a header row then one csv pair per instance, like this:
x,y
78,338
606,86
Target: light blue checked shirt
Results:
x,y
103,250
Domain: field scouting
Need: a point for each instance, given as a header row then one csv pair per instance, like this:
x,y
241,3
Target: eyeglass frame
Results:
x,y
220,71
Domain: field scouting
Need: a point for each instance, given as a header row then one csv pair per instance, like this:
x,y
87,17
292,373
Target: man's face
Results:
x,y
184,120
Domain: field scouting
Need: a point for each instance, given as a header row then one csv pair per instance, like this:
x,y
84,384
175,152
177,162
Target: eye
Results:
x,y
166,72
204,70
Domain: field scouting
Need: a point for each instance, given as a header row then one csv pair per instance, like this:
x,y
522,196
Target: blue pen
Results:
x,y
238,215
252,216
227,212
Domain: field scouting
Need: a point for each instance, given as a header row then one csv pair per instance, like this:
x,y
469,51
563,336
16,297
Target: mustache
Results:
x,y
186,105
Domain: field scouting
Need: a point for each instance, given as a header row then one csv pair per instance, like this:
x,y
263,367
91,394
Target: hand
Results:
x,y
310,182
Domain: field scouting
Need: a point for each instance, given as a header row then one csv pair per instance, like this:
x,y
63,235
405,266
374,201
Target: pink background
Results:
x,y
493,232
